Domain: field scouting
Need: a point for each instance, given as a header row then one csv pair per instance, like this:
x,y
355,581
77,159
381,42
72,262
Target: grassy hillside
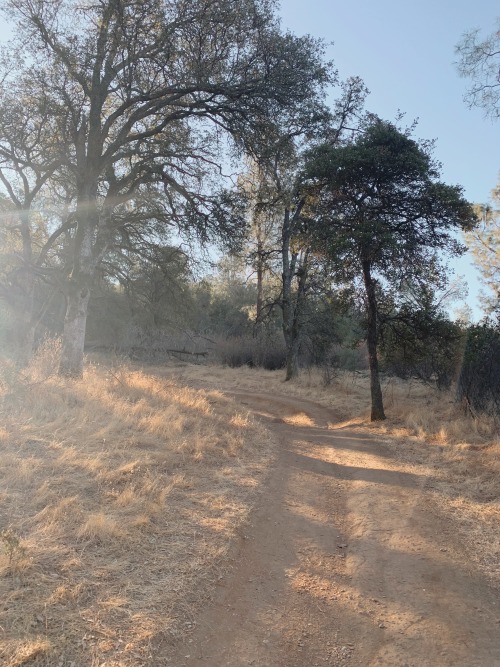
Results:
x,y
119,498
122,494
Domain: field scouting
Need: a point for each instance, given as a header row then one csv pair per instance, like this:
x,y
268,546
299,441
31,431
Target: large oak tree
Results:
x,y
144,96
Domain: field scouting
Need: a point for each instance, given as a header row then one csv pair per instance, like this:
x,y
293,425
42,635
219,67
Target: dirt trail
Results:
x,y
346,562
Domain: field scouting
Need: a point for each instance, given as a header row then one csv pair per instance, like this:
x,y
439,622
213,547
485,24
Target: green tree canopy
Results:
x,y
382,216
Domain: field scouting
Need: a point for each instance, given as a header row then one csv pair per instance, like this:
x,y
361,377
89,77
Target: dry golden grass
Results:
x,y
124,490
425,428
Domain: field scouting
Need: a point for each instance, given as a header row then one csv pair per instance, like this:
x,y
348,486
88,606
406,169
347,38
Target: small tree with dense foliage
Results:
x,y
382,216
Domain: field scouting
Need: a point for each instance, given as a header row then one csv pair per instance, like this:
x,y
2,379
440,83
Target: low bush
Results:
x,y
479,381
265,352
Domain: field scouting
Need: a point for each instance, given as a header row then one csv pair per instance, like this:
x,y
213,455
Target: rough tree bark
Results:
x,y
292,304
260,278
71,363
377,409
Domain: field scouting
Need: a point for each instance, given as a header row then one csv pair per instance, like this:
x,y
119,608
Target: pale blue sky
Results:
x,y
404,52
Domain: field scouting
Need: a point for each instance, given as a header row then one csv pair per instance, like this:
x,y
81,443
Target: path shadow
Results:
x,y
354,473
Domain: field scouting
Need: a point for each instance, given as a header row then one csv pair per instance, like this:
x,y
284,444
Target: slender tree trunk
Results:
x,y
292,311
260,276
289,330
260,293
25,327
377,411
302,273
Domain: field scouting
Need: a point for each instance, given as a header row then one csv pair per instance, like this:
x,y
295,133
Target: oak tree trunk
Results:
x,y
25,325
78,291
292,358
75,322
